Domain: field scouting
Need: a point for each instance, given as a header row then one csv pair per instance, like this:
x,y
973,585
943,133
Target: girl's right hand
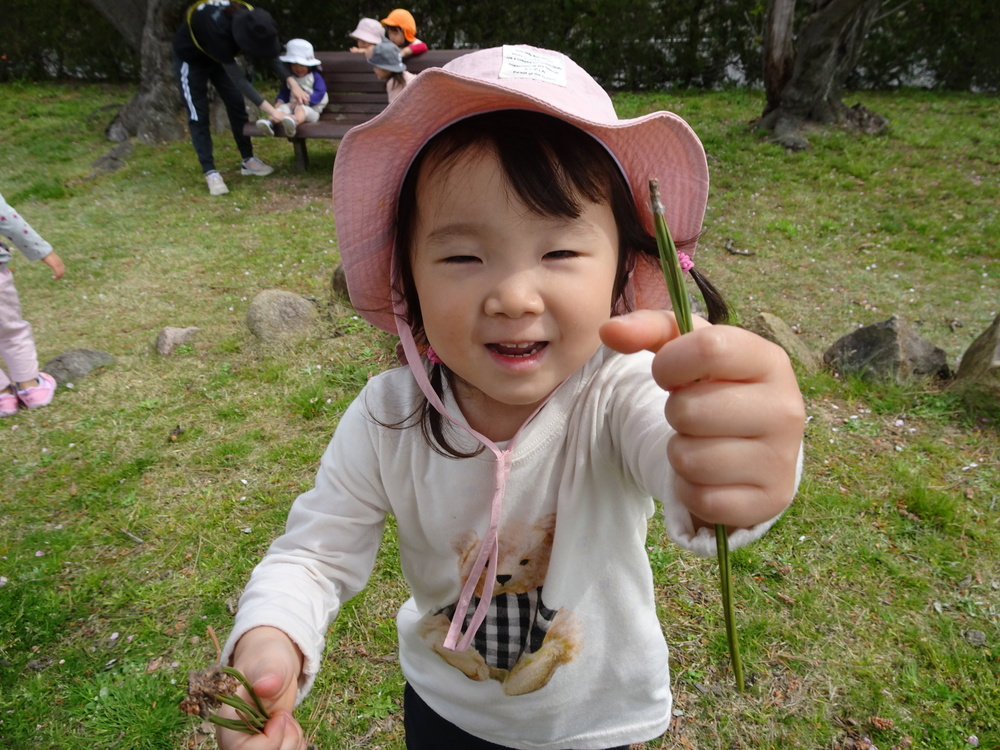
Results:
x,y
272,663
282,732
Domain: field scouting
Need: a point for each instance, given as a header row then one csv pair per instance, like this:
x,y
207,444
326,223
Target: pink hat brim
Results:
x,y
373,159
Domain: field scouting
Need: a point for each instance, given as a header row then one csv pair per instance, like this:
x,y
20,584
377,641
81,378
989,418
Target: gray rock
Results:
x,y
75,364
890,350
775,330
113,160
979,369
170,338
276,317
975,637
338,283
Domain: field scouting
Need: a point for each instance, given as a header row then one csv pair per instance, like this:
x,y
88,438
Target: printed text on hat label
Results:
x,y
519,62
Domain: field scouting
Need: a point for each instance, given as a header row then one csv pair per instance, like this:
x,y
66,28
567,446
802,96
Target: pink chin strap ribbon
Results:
x,y
489,549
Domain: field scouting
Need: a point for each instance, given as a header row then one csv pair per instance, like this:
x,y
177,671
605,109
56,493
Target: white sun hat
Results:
x,y
299,51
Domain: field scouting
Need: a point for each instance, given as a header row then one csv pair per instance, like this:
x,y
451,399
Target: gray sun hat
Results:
x,y
386,55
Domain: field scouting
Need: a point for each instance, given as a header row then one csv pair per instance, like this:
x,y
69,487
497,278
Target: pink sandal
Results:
x,y
8,404
39,395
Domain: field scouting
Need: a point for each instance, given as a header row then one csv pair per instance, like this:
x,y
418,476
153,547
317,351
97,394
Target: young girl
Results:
x,y
506,237
288,112
368,33
21,383
401,28
389,67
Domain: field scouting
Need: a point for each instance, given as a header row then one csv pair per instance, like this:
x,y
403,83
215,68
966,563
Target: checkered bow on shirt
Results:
x,y
515,624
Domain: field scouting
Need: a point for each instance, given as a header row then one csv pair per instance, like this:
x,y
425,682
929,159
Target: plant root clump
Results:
x,y
205,688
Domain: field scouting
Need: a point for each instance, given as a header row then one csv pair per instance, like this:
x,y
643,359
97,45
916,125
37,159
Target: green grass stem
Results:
x,y
674,277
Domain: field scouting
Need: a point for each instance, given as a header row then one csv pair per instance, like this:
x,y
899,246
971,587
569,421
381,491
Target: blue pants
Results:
x,y
194,78
426,730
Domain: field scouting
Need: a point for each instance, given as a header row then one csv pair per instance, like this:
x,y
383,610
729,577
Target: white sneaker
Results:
x,y
254,166
289,126
216,185
265,127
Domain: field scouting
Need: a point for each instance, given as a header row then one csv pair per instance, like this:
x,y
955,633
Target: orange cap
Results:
x,y
404,20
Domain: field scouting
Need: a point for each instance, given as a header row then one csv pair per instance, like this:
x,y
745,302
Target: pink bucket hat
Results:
x,y
368,30
373,159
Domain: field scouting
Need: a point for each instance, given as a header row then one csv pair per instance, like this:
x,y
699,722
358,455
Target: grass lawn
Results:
x,y
133,509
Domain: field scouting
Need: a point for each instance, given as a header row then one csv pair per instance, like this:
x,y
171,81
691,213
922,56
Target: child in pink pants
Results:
x,y
21,383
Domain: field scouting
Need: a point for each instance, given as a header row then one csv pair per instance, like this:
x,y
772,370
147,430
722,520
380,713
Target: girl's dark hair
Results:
x,y
551,166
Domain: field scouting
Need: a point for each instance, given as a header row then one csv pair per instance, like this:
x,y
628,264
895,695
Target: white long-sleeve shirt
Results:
x,y
594,456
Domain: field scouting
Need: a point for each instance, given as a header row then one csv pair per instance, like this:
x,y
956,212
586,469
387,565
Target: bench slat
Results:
x,y
378,98
362,80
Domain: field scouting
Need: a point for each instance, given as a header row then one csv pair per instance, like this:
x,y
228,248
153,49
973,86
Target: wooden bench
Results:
x,y
356,96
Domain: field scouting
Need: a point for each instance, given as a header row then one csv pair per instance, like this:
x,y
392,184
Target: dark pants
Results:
x,y
194,78
425,730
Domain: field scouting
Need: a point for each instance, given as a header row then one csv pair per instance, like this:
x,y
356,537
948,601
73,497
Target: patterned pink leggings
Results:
x,y
18,358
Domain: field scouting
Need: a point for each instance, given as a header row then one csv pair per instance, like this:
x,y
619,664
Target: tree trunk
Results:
x,y
127,16
151,114
826,51
779,51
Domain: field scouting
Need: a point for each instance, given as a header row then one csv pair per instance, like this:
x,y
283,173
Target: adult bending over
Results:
x,y
206,44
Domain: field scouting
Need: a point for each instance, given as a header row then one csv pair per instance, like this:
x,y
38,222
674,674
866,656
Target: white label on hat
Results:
x,y
521,62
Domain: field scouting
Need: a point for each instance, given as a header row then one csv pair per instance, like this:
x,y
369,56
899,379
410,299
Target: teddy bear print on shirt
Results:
x,y
521,642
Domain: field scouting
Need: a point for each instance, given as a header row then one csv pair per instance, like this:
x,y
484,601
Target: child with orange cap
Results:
x,y
401,29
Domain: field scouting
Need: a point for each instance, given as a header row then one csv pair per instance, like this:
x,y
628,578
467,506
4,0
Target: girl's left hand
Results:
x,y
736,408
298,93
55,264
